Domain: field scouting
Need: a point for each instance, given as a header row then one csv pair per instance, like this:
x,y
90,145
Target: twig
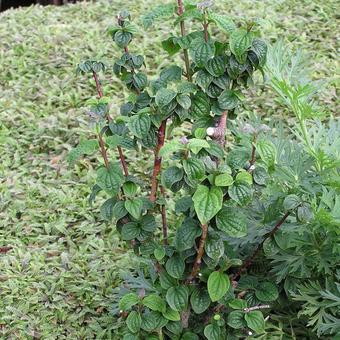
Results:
x,y
251,258
218,132
158,161
200,253
164,221
253,156
185,51
250,309
101,142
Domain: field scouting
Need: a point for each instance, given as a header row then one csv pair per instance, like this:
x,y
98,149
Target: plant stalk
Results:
x,y
200,253
164,221
248,262
158,161
183,33
101,142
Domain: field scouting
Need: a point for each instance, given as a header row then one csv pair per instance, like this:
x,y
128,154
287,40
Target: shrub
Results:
x,y
250,243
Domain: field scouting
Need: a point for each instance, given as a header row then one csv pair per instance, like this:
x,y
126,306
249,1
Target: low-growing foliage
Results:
x,y
251,245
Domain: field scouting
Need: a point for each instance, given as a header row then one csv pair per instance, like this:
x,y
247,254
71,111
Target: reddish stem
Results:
x,y
101,142
248,262
103,150
253,155
158,161
164,221
99,89
183,33
200,253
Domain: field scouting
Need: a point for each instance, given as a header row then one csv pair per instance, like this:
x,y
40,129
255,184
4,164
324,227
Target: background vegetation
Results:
x,y
57,280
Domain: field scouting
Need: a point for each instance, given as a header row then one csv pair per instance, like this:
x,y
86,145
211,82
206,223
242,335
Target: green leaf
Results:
x,y
171,73
154,302
224,180
204,79
240,192
106,210
140,125
228,100
186,234
140,80
152,321
232,222
130,231
305,213
189,336
200,300
122,39
164,97
216,66
260,175
170,46
158,13
166,280
134,322
266,291
200,106
223,22
170,147
194,168
236,319
255,321
183,204
196,145
175,266
207,202
212,332
110,179
127,301
172,315
240,42
291,202
259,47
214,248
201,51
130,188
177,298
267,151
119,210
171,176
218,285
184,101
244,176
86,147
134,207
237,304
159,253
113,141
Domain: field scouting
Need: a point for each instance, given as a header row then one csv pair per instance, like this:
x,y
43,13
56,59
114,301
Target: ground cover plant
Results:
x,y
71,253
217,265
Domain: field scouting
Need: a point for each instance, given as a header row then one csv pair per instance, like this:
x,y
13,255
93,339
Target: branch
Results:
x,y
253,156
158,161
218,133
248,262
101,142
200,253
164,222
185,51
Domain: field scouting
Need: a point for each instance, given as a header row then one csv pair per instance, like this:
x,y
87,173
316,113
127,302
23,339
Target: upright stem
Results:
x,y
251,258
99,89
164,221
158,161
205,29
200,253
253,155
185,51
101,142
103,150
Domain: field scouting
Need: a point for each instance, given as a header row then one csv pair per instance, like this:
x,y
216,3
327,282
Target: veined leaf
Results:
x,y
207,202
232,222
240,42
218,285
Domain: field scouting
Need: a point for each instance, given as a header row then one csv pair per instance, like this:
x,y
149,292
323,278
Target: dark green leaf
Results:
x,y
134,322
128,300
266,291
240,192
228,100
177,297
236,319
186,234
255,321
218,285
240,42
200,300
175,266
